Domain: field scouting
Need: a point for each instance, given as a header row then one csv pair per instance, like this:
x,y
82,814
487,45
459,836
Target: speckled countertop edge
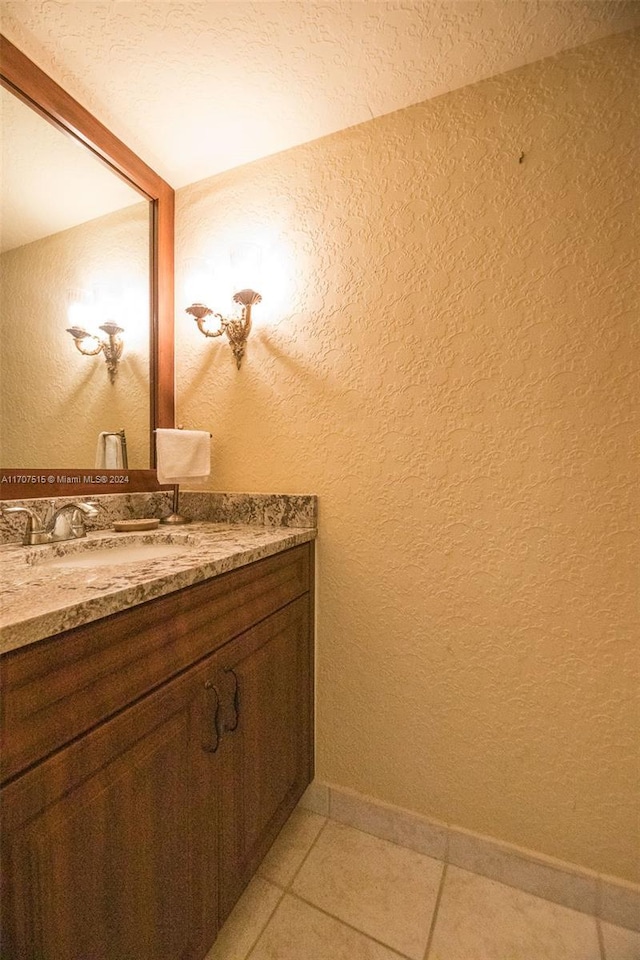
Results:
x,y
38,601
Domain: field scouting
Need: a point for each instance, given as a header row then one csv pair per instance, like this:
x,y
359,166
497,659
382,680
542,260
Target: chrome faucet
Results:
x,y
65,523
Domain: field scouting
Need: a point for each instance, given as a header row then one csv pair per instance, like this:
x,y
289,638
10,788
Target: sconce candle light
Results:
x,y
112,345
236,329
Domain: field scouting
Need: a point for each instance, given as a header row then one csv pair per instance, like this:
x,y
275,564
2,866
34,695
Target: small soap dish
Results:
x,y
126,526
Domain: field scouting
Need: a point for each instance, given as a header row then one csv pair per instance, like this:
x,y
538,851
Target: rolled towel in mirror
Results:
x,y
109,451
183,455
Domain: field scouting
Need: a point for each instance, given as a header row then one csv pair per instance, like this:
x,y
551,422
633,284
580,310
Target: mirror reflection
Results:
x,y
75,256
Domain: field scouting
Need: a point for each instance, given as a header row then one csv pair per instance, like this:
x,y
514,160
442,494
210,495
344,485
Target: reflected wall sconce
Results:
x,y
90,346
236,329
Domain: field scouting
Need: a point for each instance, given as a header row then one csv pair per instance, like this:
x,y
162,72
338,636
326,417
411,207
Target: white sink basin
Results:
x,y
111,551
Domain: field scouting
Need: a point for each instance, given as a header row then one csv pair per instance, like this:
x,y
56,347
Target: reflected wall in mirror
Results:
x,y
136,263
75,250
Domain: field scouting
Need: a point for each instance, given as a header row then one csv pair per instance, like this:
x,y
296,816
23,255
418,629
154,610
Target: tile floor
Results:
x,y
328,892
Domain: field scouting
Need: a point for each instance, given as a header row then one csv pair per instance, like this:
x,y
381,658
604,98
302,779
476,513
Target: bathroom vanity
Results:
x,y
151,755
156,713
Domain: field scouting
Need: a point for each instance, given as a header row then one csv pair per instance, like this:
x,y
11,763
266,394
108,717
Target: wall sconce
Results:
x,y
236,329
112,345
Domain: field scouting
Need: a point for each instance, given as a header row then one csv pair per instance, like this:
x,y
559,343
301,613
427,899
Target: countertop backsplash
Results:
x,y
264,509
122,506
270,510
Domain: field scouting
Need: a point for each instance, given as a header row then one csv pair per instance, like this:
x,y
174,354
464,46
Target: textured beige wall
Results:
x,y
55,402
449,365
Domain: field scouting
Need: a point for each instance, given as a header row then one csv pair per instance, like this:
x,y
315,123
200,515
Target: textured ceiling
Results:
x,y
196,88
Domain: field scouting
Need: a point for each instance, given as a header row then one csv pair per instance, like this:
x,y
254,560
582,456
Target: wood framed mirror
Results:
x,y
30,84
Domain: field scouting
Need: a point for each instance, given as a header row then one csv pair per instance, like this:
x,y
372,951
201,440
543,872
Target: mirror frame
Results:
x,y
31,85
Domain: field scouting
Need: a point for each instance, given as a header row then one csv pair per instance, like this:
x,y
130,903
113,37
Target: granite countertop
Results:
x,y
39,599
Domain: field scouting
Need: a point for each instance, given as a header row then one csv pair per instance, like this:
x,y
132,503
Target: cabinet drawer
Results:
x,y
58,688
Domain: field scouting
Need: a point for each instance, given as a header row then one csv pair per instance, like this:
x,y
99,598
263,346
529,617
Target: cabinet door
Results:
x,y
110,846
266,750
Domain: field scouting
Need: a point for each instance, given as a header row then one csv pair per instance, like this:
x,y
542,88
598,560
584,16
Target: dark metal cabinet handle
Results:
x,y
231,723
211,732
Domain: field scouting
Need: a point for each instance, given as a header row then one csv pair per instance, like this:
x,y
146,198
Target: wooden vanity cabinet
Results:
x,y
111,843
134,839
265,764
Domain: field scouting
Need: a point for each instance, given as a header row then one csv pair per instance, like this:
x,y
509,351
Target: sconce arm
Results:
x,y
112,345
237,330
212,333
79,336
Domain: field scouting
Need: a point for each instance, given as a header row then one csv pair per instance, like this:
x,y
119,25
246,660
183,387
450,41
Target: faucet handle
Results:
x,y
89,508
84,510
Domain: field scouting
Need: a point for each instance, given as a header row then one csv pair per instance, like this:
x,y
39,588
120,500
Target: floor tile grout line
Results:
x,y
284,890
289,886
328,913
266,923
289,891
600,935
345,923
436,908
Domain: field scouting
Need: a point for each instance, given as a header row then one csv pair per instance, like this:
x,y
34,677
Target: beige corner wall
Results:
x,y
54,402
449,365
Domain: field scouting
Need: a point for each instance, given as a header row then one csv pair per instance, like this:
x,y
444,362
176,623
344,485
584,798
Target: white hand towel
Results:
x,y
109,452
113,452
183,455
